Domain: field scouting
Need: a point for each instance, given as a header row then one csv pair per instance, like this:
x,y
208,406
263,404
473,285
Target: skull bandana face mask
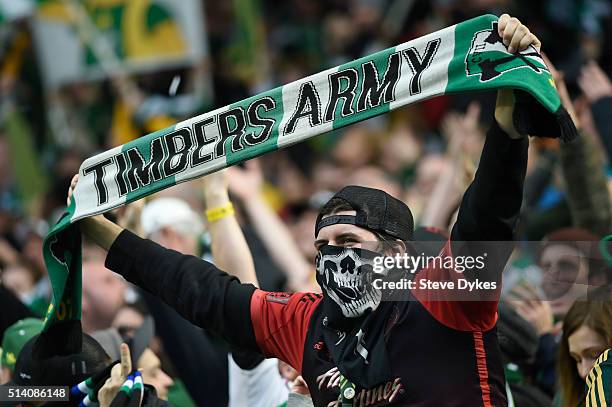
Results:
x,y
345,276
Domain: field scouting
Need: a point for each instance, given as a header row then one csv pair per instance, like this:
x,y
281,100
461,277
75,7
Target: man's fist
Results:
x,y
516,37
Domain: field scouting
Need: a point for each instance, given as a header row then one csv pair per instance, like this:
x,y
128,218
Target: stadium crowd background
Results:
x,y
425,154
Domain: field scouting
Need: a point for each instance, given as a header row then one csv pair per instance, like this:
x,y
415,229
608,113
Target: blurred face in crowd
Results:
x,y
153,374
328,176
103,295
585,346
354,148
186,243
374,177
128,317
33,251
565,276
130,320
302,233
428,172
401,150
291,181
18,279
339,31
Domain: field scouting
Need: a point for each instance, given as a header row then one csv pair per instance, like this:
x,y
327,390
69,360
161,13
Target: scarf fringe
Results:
x,y
532,118
567,129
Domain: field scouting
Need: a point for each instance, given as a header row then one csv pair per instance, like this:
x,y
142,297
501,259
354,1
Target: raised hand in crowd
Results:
x,y
582,165
246,183
532,308
597,88
118,376
464,138
463,132
8,255
228,245
594,82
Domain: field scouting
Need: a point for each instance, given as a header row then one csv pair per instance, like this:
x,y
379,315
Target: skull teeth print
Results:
x,y
357,307
349,281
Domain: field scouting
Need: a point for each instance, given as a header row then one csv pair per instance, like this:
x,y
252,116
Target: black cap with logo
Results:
x,y
62,355
35,369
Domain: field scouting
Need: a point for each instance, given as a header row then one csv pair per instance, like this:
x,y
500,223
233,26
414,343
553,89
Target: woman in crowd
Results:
x,y
587,334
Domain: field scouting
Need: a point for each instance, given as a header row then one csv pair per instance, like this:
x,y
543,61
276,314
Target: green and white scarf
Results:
x,y
462,58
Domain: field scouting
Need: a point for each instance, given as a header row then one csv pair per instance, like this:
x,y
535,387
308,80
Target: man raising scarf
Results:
x,y
351,347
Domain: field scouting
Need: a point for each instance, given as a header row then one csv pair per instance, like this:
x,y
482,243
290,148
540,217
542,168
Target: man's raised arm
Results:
x,y
273,324
491,205
199,291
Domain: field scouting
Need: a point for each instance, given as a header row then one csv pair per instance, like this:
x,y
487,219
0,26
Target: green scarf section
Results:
x,y
462,58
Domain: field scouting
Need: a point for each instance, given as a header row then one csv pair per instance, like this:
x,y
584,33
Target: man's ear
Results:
x,y
396,247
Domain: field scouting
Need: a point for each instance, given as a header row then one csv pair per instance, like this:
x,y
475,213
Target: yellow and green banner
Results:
x,y
131,35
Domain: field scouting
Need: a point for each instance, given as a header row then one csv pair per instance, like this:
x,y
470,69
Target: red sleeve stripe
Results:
x,y
483,372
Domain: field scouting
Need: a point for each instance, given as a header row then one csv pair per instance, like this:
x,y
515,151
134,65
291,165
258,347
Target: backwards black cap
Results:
x,y
376,210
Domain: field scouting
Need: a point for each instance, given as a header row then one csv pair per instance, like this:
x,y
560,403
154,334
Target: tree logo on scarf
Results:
x,y
489,58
